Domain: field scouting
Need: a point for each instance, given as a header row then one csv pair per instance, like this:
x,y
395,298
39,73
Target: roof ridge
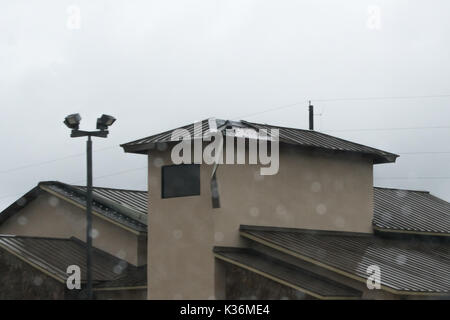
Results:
x,y
108,188
301,230
81,186
410,190
34,237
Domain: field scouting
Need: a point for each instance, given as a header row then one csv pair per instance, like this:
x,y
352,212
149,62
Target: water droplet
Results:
x,y
401,259
177,296
53,201
161,146
37,281
121,254
22,220
158,162
21,202
219,236
339,222
281,210
316,187
95,233
254,212
321,209
177,234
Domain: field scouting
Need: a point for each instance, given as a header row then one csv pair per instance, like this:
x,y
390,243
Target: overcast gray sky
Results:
x,y
156,65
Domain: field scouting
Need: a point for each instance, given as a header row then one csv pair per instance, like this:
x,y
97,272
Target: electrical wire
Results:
x,y
276,109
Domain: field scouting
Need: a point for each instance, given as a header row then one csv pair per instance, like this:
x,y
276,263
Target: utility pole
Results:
x,y
311,116
89,218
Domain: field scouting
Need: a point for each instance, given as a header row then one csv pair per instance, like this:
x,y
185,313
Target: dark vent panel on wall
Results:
x,y
180,180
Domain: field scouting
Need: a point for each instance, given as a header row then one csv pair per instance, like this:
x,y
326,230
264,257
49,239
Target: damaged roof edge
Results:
x,y
299,137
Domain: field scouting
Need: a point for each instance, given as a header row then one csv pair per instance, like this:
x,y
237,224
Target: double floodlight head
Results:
x,y
105,121
72,121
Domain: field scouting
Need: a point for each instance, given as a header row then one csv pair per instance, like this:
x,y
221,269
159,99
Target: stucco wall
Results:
x,y
49,216
313,190
180,233
317,191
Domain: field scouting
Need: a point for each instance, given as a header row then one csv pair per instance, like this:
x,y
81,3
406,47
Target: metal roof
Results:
x,y
410,211
315,139
133,199
126,207
299,137
285,273
53,256
149,143
407,266
106,206
134,277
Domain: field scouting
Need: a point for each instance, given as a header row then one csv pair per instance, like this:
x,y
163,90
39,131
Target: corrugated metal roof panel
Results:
x,y
127,207
55,255
406,266
166,136
311,138
412,211
304,138
305,280
133,199
78,195
133,277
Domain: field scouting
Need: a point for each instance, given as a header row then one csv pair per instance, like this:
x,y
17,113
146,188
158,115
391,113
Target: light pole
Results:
x,y
73,122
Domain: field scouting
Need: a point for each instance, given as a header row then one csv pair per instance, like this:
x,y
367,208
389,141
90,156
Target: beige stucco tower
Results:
x,y
321,188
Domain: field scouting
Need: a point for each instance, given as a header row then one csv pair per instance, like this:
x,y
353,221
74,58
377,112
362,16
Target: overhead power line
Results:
x,y
112,174
384,98
424,152
36,164
306,100
411,178
79,181
388,129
